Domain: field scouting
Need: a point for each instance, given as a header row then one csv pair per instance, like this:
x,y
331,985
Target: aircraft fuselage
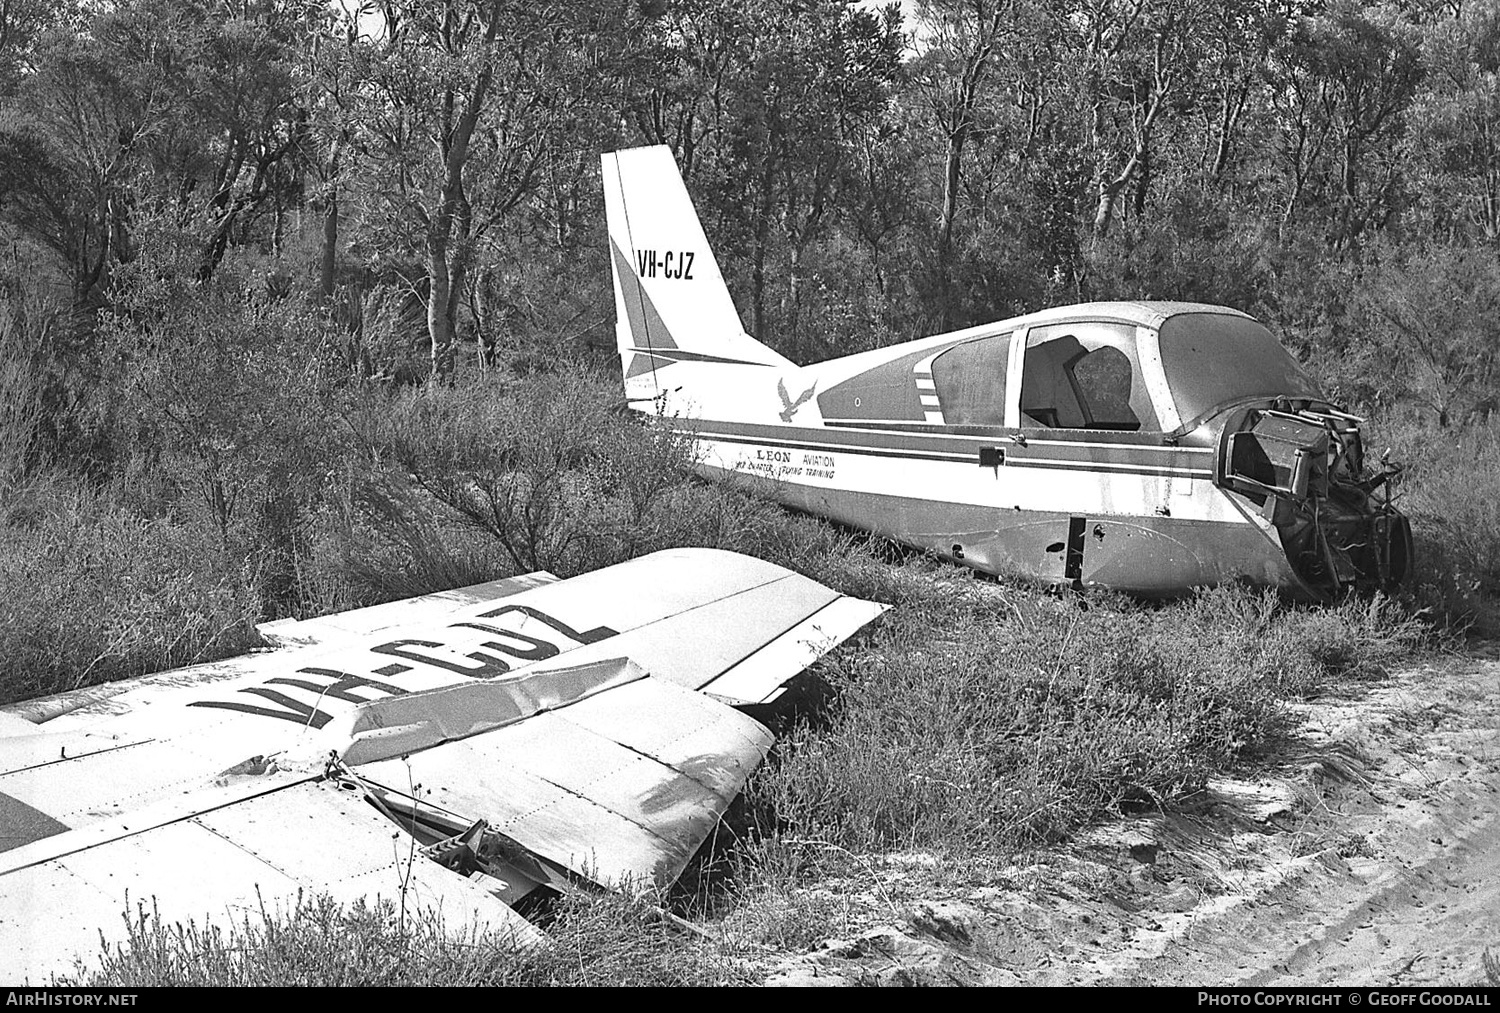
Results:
x,y
1148,446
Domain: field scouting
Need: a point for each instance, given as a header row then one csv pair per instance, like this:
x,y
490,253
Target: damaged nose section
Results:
x,y
1305,471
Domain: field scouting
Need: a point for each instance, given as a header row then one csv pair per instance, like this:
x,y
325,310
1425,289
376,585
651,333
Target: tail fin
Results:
x,y
671,304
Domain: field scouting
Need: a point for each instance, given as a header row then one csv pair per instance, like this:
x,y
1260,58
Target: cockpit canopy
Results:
x,y
1124,367
1215,359
1111,375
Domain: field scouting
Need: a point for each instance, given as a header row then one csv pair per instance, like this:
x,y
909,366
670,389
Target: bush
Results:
x,y
560,477
552,469
1448,491
94,594
1000,719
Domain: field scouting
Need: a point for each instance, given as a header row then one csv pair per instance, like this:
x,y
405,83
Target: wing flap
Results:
x,y
715,746
760,676
620,787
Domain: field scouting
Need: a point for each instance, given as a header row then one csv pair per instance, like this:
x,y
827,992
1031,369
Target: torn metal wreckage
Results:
x,y
468,753
1151,447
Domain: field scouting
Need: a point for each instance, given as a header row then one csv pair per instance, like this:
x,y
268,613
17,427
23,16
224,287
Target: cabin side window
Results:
x,y
1085,376
970,381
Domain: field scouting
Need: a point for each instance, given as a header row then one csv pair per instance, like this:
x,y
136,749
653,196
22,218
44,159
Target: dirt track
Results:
x,y
1371,857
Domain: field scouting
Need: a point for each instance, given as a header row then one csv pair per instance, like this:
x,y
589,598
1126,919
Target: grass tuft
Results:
x,y
594,940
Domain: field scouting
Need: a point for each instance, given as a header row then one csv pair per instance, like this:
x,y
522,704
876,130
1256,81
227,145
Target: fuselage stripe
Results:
x,y
959,458
905,427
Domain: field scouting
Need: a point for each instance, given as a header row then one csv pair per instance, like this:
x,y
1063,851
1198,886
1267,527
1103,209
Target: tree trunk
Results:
x,y
758,258
794,295
328,254
952,177
440,273
277,523
439,318
480,304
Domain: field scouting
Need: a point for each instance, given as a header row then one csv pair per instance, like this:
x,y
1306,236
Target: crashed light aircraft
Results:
x,y
1151,447
465,754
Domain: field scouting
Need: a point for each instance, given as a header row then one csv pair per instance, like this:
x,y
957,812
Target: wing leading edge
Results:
x,y
574,732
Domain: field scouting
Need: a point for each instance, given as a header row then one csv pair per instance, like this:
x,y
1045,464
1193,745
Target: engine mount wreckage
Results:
x,y
469,752
1151,447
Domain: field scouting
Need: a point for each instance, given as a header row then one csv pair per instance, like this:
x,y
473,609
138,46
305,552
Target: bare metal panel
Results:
x,y
405,724
539,815
317,831
212,877
623,781
582,836
50,917
432,608
692,646
221,867
623,793
79,791
712,744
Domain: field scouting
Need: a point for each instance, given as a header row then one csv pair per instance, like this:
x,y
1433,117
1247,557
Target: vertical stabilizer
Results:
x,y
671,304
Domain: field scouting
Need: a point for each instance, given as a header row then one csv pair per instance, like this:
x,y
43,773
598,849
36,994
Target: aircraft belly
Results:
x,y
1140,518
1150,554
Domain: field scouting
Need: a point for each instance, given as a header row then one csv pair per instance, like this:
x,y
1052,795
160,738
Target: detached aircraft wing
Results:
x,y
455,756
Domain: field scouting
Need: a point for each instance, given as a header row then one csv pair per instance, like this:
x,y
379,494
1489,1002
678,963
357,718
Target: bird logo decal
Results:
x,y
789,407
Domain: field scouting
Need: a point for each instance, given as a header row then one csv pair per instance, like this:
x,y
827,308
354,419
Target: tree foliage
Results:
x,y
425,173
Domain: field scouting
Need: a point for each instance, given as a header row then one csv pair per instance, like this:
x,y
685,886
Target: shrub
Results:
x,y
999,719
94,594
557,475
551,469
1448,491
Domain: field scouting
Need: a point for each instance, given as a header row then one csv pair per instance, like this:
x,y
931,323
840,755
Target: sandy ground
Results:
x,y
1369,855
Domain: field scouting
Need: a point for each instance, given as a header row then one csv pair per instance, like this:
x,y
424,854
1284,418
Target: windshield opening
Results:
x,y
1213,359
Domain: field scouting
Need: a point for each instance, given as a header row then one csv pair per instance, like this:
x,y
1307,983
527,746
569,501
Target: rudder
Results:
x,y
671,303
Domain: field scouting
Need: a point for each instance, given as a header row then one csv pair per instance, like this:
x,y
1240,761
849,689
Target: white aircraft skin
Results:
x,y
590,724
996,446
